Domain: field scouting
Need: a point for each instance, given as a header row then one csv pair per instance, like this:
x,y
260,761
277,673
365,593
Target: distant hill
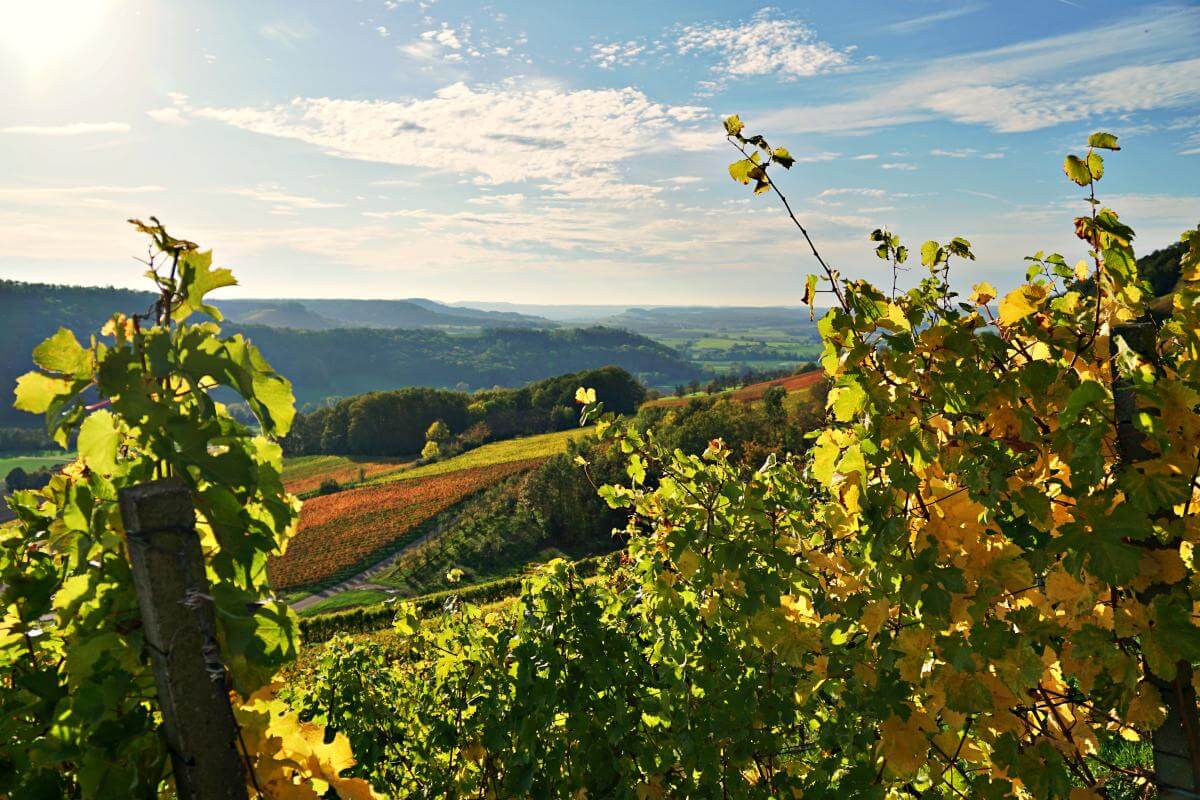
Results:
x,y
330,358
574,314
413,313
282,314
352,361
664,319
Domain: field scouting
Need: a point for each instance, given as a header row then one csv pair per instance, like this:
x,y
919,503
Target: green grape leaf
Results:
x,y
1085,394
37,391
196,279
1104,141
733,125
1095,165
932,254
1077,170
63,354
847,401
99,442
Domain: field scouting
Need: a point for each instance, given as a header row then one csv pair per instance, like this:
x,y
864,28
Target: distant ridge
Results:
x,y
385,344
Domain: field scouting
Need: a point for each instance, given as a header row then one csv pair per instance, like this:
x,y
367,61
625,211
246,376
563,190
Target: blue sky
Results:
x,y
572,152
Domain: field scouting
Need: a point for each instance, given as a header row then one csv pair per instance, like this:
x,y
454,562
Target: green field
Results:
x,y
33,461
304,474
351,598
542,445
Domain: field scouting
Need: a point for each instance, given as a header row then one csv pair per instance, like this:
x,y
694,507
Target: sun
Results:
x,y
39,34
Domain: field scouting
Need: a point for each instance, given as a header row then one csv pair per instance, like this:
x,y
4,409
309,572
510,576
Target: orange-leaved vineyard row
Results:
x,y
755,391
343,530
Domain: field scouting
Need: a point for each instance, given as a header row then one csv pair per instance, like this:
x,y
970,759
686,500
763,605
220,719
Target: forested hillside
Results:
x,y
395,423
353,361
341,361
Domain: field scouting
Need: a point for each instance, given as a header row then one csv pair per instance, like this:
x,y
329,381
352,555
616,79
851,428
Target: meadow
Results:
x,y
33,461
502,452
304,474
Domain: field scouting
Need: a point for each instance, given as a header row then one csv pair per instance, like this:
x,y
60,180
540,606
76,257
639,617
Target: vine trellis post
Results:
x,y
180,630
1176,742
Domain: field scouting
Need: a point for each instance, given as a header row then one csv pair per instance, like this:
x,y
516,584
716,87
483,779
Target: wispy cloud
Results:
x,y
900,165
68,129
74,191
1032,84
289,32
507,200
568,142
281,202
925,21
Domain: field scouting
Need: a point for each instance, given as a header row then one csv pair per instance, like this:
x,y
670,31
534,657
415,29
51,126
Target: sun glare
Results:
x,y
40,34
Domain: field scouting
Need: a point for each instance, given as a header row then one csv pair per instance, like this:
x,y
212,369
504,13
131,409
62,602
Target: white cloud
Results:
x,y
617,54
570,142
169,115
682,180
1155,209
866,157
855,191
963,152
382,31
289,32
1032,84
816,158
786,48
507,200
405,182
283,203
68,129
900,165
58,193
445,44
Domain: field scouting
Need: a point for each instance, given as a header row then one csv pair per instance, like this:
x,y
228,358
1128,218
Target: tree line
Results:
x,y
396,423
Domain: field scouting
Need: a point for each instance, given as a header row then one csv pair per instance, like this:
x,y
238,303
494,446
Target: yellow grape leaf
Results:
x,y
688,562
894,319
1146,710
1082,270
1063,589
474,751
983,293
902,744
874,615
651,789
914,643
585,396
355,789
1020,303
798,608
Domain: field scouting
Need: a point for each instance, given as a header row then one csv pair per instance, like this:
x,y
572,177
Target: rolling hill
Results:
x,y
442,347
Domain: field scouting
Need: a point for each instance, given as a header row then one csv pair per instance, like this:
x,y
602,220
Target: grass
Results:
x,y
541,446
351,598
33,461
305,473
